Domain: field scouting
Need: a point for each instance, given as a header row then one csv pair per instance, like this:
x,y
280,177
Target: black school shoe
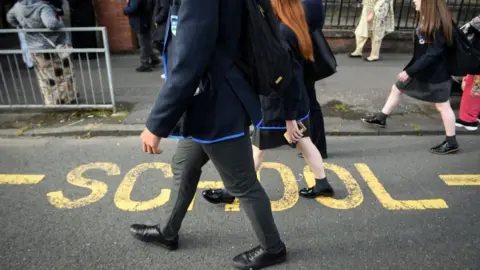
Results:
x,y
155,62
152,234
258,258
144,68
217,196
444,148
470,126
373,120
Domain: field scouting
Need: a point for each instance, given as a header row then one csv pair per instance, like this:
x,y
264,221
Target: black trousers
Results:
x,y
239,177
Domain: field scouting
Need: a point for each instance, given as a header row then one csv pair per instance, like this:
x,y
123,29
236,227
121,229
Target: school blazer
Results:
x,y
429,62
203,38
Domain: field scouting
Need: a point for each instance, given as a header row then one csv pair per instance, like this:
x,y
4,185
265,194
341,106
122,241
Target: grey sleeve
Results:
x,y
11,19
50,18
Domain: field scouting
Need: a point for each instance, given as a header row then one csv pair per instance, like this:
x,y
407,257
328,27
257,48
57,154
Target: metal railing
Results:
x,y
345,14
20,87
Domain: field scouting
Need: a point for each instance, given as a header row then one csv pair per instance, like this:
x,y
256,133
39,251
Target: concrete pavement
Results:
x,y
67,203
357,89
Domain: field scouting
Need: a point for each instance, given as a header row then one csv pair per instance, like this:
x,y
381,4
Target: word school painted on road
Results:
x,y
123,200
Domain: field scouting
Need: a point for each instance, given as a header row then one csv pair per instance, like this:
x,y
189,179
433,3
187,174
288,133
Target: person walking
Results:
x,y
426,77
470,103
54,71
208,100
315,19
376,21
282,112
140,17
160,18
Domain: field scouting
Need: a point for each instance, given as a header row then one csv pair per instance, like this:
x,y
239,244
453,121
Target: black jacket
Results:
x,y
294,104
160,18
200,53
429,61
160,14
139,17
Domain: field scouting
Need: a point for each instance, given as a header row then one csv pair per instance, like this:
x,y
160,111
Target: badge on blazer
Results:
x,y
174,24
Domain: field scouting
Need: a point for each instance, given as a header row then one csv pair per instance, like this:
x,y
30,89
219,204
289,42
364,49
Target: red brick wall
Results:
x,y
110,14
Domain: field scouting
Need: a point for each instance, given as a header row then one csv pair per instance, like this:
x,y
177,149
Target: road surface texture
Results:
x,y
68,204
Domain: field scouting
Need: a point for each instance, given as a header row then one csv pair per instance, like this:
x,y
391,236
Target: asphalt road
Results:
x,y
68,203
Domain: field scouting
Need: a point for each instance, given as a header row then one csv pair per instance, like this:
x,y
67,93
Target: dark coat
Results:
x,y
199,54
315,15
139,17
294,104
429,61
160,18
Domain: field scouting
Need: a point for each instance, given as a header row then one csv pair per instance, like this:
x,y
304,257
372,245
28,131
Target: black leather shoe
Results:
x,y
217,196
144,68
373,120
152,234
155,62
259,258
310,193
444,148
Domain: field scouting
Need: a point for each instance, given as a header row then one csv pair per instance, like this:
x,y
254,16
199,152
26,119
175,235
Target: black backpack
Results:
x,y
464,56
266,58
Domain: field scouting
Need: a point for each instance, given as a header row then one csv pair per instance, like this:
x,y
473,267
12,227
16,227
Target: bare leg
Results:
x,y
392,101
448,117
258,157
312,157
314,160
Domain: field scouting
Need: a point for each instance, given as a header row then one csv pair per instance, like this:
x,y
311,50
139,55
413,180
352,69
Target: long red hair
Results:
x,y
291,13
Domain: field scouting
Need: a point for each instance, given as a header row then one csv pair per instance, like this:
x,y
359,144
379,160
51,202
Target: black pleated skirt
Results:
x,y
429,92
272,138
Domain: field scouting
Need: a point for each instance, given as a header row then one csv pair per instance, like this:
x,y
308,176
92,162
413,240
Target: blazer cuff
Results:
x,y
157,129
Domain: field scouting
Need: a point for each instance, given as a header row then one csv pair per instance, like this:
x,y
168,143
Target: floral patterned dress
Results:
x,y
383,22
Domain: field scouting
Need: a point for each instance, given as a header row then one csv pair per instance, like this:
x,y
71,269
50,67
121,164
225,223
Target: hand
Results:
x,y
370,16
293,131
150,142
403,76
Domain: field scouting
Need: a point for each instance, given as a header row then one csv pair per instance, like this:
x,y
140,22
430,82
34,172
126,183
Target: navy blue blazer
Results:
x,y
199,48
429,62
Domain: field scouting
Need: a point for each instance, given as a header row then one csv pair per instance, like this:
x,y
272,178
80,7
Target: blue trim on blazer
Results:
x,y
281,127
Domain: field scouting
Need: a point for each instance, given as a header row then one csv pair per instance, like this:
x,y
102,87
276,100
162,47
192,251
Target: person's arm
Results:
x,y
292,94
434,51
11,19
132,7
50,18
314,13
194,44
162,16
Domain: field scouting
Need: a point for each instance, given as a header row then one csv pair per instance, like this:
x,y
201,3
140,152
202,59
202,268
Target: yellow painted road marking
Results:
x,y
355,195
74,177
290,194
388,202
122,196
461,179
21,179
